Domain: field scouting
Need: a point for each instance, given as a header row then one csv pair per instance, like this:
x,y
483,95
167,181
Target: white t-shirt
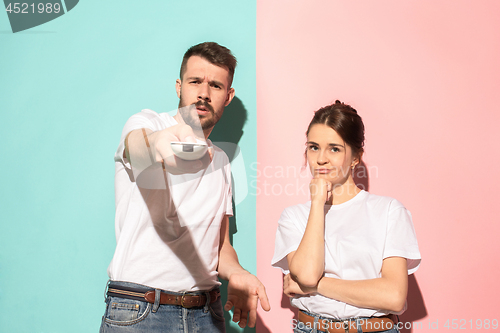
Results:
x,y
168,236
359,234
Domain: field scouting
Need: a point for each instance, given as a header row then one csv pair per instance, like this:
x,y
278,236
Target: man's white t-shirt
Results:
x,y
359,235
168,235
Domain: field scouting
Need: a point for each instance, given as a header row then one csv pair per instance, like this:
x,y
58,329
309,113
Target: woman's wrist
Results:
x,y
317,203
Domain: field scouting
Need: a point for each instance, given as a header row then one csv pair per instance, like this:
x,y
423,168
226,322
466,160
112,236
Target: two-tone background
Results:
x,y
424,75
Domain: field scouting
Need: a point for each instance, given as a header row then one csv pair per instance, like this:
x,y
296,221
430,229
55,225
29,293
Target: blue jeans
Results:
x,y
300,327
127,315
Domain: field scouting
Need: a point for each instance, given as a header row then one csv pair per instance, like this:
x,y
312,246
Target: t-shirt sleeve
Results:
x,y
143,119
401,239
288,237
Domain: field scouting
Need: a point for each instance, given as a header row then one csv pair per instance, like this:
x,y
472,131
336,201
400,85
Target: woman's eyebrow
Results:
x,y
335,145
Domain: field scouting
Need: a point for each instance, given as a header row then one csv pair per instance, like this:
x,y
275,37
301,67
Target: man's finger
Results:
x,y
264,301
236,315
253,318
228,306
243,319
183,132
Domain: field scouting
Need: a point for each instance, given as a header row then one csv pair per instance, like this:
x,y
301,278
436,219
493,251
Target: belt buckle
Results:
x,y
182,302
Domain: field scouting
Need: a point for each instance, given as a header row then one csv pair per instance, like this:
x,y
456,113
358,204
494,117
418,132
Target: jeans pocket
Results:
x,y
125,312
216,310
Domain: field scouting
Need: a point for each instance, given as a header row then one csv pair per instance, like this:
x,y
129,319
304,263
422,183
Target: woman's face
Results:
x,y
329,157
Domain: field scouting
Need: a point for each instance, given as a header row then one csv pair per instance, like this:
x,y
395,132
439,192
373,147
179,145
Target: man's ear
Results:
x,y
229,98
178,87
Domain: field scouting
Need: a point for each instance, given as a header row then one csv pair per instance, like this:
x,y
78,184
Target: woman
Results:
x,y
346,254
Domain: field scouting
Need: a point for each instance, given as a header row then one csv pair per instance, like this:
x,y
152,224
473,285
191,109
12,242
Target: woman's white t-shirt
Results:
x,y
359,235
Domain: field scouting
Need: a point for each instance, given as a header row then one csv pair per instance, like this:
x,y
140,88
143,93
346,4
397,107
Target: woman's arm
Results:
x,y
387,292
307,263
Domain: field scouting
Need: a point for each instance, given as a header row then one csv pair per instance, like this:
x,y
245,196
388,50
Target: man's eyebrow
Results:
x,y
217,83
194,78
197,78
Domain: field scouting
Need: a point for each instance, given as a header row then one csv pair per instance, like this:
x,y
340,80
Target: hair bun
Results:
x,y
350,108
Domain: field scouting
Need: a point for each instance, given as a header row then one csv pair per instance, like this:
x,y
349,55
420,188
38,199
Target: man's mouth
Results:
x,y
203,108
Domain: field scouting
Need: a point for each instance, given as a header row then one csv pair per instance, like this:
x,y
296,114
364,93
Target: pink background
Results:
x,y
425,77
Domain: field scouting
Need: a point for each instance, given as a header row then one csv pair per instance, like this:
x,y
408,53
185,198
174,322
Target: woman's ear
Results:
x,y
360,156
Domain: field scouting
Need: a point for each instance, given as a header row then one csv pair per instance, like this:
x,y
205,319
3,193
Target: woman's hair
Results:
x,y
344,120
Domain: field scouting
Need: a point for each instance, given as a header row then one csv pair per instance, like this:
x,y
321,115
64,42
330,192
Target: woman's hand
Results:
x,y
320,189
291,288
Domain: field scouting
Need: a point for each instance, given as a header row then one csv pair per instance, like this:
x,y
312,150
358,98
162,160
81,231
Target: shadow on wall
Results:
x,y
230,129
416,308
230,126
361,176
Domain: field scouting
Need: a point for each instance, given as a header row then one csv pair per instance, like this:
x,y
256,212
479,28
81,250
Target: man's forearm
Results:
x,y
139,149
228,262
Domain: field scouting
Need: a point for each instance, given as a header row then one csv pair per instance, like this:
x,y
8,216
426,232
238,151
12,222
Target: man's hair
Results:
x,y
215,54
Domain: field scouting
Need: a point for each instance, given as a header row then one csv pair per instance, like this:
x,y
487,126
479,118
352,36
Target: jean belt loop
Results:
x,y
106,290
315,325
207,303
156,305
359,322
345,325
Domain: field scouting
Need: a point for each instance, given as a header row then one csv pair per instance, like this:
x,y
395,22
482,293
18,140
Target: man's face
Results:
x,y
207,87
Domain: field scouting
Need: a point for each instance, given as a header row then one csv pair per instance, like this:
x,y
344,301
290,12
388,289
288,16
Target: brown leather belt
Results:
x,y
373,324
186,300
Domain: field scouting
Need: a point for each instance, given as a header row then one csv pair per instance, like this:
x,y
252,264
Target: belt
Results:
x,y
373,324
186,300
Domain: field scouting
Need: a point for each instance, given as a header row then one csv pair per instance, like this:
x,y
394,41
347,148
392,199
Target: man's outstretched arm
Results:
x,y
244,289
144,148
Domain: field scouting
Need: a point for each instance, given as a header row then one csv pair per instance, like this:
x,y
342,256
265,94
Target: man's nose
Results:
x,y
204,92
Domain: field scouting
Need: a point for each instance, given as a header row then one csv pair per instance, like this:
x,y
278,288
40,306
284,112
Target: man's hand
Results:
x,y
291,288
163,151
243,293
149,150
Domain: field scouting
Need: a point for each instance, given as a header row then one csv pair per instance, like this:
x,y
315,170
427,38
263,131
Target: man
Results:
x,y
172,214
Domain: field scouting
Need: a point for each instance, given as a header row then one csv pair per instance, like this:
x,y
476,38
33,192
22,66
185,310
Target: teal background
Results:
x,y
67,88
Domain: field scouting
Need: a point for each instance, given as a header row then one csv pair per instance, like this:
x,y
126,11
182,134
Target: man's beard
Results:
x,y
194,120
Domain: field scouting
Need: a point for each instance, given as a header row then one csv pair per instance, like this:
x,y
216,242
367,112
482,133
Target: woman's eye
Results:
x,y
335,149
313,148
